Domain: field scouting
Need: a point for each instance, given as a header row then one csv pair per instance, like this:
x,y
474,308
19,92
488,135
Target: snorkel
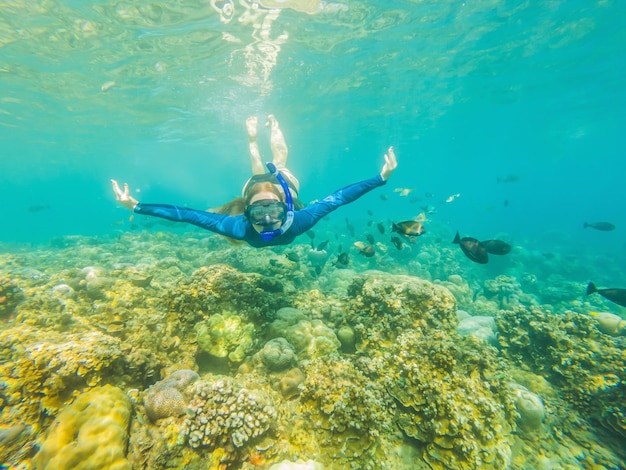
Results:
x,y
267,236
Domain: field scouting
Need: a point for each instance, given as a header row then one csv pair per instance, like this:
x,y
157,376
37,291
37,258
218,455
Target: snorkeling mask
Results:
x,y
269,212
266,212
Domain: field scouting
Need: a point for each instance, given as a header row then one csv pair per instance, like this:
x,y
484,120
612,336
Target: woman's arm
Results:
x,y
227,225
230,226
308,217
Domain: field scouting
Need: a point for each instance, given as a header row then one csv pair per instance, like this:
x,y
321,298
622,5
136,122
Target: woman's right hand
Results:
x,y
124,197
390,164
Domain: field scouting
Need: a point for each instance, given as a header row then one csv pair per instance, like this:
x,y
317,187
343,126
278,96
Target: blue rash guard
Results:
x,y
239,228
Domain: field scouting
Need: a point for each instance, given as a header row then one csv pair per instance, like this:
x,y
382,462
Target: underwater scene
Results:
x,y
306,234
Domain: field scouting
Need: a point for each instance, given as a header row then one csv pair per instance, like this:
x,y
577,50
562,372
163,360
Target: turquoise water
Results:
x,y
466,92
507,119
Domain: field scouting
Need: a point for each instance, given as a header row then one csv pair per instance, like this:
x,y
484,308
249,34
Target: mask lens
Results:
x,y
266,212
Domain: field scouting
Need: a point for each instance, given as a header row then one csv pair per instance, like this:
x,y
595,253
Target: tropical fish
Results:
x,y
429,209
508,179
38,208
453,197
366,250
421,217
472,249
322,245
404,191
397,242
343,261
617,296
496,247
350,227
409,228
602,226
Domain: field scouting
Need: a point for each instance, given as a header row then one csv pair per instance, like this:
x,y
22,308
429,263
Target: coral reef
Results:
x,y
91,433
326,368
224,414
309,338
168,396
479,327
10,295
610,323
350,412
277,354
529,407
456,404
570,352
222,288
380,307
226,335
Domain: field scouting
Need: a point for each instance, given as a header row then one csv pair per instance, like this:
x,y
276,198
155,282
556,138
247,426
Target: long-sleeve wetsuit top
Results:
x,y
239,228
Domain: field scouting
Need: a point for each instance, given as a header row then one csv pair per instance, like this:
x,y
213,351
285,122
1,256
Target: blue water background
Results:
x,y
466,92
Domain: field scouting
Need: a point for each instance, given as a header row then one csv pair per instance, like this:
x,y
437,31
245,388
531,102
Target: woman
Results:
x,y
268,213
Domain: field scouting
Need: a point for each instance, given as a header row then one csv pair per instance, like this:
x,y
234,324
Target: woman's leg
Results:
x,y
255,156
277,143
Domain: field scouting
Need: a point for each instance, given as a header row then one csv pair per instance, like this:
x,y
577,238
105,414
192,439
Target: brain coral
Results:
x,y
226,336
91,433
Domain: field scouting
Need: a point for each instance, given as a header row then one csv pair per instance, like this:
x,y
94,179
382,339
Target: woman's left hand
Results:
x,y
391,163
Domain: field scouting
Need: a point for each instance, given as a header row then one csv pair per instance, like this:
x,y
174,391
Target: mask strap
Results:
x,y
268,236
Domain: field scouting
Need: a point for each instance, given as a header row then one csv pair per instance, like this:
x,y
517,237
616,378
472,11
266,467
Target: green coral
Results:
x,y
226,335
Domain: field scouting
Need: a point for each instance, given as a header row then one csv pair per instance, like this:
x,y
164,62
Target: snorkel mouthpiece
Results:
x,y
271,234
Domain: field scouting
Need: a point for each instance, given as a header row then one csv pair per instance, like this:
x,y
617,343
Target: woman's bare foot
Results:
x,y
271,121
251,125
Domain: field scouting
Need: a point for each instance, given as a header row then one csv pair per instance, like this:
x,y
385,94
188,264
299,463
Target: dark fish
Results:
x,y
397,242
496,247
318,270
292,256
369,223
322,245
343,260
273,262
614,295
602,226
370,238
508,179
350,227
38,208
369,212
472,249
410,228
310,234
415,199
384,197
381,228
506,203
368,251
428,194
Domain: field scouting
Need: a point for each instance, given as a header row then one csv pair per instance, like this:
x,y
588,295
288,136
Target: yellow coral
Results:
x,y
91,433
